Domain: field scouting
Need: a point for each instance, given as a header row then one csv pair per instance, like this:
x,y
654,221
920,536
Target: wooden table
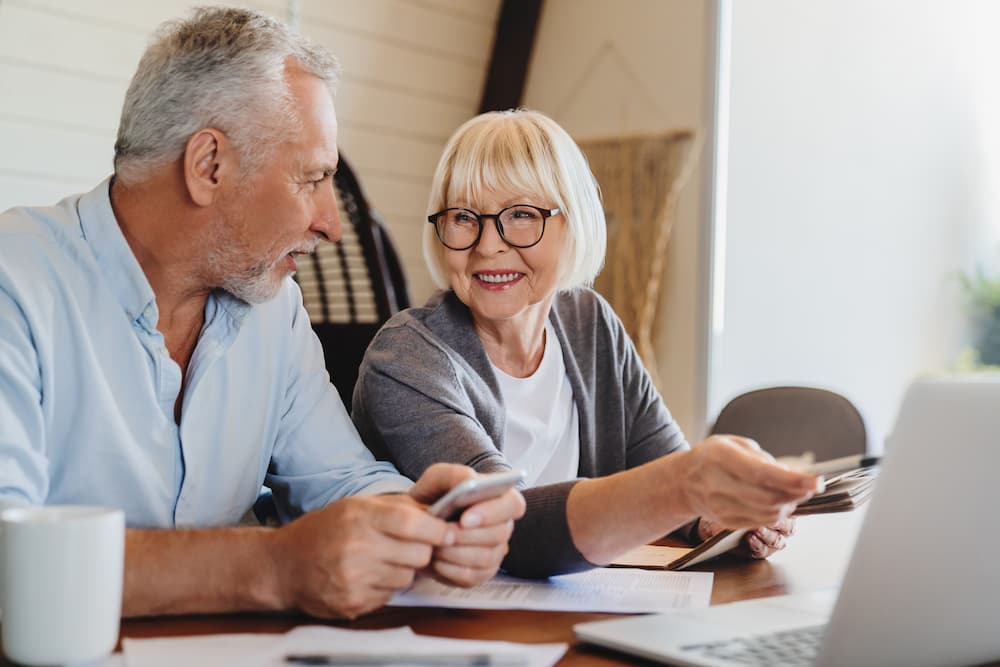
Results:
x,y
815,559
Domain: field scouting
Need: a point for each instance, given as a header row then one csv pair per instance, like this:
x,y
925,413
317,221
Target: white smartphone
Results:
x,y
489,485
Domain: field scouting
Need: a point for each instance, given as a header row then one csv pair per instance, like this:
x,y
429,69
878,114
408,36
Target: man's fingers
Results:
x,y
483,537
399,518
394,579
480,557
460,575
412,555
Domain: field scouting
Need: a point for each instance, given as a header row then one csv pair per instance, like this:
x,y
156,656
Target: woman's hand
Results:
x,y
729,481
725,480
760,543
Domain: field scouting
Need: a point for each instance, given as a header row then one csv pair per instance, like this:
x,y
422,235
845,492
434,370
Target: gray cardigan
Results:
x,y
427,392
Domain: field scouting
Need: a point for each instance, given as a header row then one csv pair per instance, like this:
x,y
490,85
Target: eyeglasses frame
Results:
x,y
546,213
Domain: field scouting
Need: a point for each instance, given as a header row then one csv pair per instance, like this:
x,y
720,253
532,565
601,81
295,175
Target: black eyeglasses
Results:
x,y
520,226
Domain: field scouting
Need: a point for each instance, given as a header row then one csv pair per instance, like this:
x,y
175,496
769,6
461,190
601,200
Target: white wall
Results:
x,y
862,176
627,67
408,82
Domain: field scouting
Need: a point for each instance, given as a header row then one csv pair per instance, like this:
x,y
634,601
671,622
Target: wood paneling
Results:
x,y
413,71
72,43
50,151
39,95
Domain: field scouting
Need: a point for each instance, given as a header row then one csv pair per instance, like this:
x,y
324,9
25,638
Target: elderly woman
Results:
x,y
518,364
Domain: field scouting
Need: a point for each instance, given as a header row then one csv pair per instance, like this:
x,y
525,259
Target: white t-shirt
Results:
x,y
542,432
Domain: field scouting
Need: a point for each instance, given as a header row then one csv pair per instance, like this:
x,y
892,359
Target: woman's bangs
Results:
x,y
499,163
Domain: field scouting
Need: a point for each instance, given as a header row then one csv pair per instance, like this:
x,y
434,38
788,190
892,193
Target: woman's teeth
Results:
x,y
498,277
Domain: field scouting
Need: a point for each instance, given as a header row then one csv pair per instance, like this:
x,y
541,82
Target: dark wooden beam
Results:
x,y
515,37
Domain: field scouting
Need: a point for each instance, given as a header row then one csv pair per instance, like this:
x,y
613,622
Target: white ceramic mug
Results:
x,y
61,570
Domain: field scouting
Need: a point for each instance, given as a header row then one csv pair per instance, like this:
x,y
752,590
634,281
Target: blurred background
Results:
x,y
844,175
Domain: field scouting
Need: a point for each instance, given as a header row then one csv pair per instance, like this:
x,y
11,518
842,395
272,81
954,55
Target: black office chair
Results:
x,y
788,421
350,288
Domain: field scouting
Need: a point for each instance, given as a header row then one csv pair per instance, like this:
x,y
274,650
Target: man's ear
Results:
x,y
206,159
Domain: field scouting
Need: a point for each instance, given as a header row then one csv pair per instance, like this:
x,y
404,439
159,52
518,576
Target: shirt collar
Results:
x,y
125,276
114,256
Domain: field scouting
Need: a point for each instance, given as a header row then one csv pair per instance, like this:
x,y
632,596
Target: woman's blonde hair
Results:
x,y
525,152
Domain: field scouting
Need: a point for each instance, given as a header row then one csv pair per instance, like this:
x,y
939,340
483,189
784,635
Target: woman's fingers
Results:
x,y
730,480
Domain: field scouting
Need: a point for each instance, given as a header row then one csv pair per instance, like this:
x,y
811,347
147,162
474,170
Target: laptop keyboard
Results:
x,y
788,648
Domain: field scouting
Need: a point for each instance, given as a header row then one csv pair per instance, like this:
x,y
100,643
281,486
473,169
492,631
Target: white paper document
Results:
x,y
617,590
196,651
397,646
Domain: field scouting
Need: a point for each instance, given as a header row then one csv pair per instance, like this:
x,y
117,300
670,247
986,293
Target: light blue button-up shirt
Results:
x,y
87,388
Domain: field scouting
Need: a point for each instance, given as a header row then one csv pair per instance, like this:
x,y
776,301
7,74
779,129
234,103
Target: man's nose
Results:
x,y
327,221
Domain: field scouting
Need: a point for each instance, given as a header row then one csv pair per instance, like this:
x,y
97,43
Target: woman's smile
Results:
x,y
497,280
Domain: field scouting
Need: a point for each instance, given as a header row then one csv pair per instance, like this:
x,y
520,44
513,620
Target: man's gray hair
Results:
x,y
221,68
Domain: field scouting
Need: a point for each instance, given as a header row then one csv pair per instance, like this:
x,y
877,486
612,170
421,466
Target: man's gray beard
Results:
x,y
254,284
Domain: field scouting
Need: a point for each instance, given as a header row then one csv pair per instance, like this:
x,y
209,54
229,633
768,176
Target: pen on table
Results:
x,y
451,659
843,464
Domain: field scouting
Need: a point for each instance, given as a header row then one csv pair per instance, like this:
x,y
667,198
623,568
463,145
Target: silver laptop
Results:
x,y
923,583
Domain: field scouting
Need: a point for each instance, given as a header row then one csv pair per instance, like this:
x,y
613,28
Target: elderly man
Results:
x,y
155,355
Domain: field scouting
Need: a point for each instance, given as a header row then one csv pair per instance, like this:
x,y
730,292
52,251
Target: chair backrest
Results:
x,y
351,287
788,421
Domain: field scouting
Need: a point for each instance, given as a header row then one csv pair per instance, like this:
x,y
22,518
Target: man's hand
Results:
x,y
351,556
483,530
729,480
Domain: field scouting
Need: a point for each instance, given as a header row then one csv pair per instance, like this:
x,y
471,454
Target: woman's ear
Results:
x,y
204,157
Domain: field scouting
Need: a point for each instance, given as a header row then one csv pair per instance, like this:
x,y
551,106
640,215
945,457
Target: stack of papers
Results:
x,y
320,645
623,591
844,492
